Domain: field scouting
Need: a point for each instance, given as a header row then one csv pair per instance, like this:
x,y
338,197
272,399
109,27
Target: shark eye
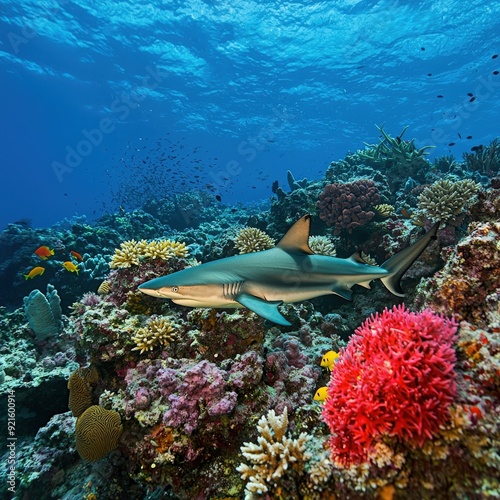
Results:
x,y
175,289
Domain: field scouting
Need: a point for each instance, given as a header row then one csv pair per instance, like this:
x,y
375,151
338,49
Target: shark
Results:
x,y
289,272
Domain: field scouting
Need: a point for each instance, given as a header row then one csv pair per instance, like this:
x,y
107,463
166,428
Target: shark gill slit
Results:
x,y
230,290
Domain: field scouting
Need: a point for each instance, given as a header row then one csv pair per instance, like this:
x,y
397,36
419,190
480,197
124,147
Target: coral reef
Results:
x,y
468,284
251,239
322,245
446,199
348,206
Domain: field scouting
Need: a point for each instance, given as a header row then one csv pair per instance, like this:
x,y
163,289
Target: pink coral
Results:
x,y
396,377
348,206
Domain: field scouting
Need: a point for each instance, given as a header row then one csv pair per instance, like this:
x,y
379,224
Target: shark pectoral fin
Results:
x,y
268,310
343,291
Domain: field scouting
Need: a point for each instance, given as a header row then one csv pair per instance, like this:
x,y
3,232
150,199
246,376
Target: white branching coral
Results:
x,y
321,245
132,252
251,239
159,331
445,199
274,456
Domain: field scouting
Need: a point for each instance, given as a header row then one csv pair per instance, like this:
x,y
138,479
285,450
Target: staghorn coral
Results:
x,y
132,252
322,245
157,332
251,239
97,432
395,378
275,456
348,206
79,386
445,199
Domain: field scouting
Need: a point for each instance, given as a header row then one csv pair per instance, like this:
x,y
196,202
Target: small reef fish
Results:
x,y
321,394
36,271
329,359
76,255
69,266
44,252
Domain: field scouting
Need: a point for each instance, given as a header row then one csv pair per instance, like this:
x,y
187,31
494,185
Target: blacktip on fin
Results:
x,y
296,238
398,264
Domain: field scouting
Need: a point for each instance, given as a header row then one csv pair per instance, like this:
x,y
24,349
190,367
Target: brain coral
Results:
x,y
251,239
97,432
80,397
396,378
445,198
348,206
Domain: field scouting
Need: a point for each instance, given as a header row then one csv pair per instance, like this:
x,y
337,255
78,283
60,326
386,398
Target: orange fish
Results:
x,y
44,252
69,266
76,255
36,271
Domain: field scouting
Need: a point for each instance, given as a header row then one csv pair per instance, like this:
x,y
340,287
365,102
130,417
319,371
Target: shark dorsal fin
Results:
x,y
297,237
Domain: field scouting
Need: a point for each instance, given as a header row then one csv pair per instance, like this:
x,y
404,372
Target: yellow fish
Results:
x,y
36,271
321,394
69,266
329,359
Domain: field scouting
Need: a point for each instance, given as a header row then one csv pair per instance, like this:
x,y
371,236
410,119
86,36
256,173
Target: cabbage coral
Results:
x,y
395,378
132,252
445,199
251,239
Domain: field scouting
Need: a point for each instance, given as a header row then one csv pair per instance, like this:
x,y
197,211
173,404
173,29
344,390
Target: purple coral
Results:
x,y
200,388
348,206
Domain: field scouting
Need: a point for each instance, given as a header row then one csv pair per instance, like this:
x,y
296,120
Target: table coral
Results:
x,y
395,378
349,205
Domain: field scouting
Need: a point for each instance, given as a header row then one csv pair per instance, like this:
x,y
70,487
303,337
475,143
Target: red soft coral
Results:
x,y
396,377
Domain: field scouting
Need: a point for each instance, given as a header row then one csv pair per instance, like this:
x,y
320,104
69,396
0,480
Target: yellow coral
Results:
x,y
251,239
132,252
97,432
158,331
79,383
384,210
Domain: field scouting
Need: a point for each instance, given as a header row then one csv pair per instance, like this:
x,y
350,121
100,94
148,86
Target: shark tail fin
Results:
x,y
398,264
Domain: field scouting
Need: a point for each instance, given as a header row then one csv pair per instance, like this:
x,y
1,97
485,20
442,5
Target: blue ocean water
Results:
x,y
108,103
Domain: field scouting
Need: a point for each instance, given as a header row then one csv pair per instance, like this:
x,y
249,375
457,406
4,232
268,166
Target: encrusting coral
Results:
x,y
157,332
132,252
274,455
97,432
445,199
251,239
